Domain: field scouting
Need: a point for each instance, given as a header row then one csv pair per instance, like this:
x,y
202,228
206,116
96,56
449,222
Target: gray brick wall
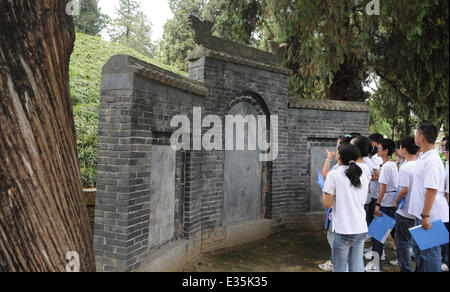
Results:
x,y
137,103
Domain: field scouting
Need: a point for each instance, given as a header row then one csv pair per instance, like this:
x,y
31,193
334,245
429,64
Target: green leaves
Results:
x,y
131,28
88,58
90,21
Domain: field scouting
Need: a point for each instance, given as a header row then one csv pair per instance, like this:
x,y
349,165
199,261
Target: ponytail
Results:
x,y
349,154
354,173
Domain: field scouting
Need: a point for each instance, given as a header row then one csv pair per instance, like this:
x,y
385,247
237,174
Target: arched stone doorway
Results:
x,y
246,177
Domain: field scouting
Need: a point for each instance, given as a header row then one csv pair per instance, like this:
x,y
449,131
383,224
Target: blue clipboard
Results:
x,y
381,227
436,236
402,202
321,182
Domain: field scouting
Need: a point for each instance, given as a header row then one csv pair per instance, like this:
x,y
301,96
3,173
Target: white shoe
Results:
x,y
369,256
394,263
444,268
327,267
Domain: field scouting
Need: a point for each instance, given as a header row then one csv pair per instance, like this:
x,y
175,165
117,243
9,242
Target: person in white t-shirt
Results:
x,y
374,187
388,189
445,248
404,220
344,191
399,155
428,203
366,164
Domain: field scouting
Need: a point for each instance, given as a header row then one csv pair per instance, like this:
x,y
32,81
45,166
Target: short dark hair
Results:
x,y
346,139
409,144
363,144
430,132
389,145
445,139
398,144
376,138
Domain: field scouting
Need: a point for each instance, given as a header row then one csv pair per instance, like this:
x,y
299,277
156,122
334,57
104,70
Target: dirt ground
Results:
x,y
285,252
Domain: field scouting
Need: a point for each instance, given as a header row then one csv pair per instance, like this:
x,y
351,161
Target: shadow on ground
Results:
x,y
285,252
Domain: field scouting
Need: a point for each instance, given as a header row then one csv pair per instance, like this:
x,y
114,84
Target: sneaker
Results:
x,y
369,256
372,267
444,268
327,267
394,263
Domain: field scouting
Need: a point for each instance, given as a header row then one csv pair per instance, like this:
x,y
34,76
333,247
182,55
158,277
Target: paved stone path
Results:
x,y
285,252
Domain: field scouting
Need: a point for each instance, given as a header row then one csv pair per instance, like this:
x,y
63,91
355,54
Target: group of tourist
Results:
x,y
365,184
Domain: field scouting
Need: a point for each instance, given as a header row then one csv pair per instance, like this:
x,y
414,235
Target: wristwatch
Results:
x,y
424,216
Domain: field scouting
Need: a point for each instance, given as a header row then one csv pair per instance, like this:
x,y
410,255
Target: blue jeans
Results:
x,y
330,238
429,260
378,246
444,249
348,252
403,240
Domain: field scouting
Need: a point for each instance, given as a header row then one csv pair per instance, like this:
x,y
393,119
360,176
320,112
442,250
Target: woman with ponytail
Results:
x,y
345,191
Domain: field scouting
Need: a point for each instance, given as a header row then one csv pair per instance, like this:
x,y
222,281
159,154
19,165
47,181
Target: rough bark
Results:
x,y
42,212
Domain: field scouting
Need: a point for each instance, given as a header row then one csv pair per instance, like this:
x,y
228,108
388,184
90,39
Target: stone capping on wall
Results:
x,y
203,36
225,50
202,51
126,64
331,105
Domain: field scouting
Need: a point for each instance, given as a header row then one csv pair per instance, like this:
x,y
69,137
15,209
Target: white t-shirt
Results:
x,y
367,171
374,185
371,166
349,216
429,174
406,179
389,177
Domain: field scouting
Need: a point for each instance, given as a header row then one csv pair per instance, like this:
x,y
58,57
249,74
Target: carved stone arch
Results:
x,y
247,180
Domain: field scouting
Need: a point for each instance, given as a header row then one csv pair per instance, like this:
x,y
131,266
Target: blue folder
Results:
x,y
321,182
402,202
381,227
436,236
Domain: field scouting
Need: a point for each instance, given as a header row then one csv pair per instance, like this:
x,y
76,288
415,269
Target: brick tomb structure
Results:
x,y
157,208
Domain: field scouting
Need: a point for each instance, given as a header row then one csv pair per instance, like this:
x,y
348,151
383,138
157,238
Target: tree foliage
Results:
x,y
333,44
325,46
178,39
90,21
132,28
410,52
236,20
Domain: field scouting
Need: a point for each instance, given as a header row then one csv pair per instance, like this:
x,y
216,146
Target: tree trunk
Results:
x,y
43,218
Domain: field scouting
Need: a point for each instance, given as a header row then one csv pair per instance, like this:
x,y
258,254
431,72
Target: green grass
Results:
x,y
89,56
